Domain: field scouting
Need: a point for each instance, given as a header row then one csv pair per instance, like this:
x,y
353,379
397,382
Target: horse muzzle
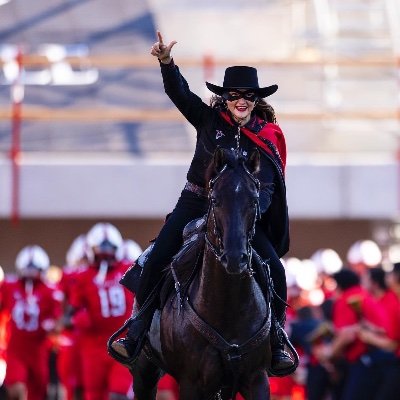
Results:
x,y
235,263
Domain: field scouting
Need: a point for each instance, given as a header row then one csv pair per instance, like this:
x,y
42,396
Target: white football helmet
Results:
x,y
103,241
129,251
365,252
327,261
77,252
32,261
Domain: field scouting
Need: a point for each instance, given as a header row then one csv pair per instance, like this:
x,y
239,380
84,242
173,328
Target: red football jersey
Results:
x,y
68,280
391,303
352,307
102,303
33,307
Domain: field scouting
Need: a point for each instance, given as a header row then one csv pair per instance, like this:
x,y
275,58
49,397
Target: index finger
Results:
x,y
160,39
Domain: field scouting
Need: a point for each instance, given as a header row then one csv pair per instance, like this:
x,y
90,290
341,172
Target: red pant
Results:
x,y
69,365
102,375
29,367
168,383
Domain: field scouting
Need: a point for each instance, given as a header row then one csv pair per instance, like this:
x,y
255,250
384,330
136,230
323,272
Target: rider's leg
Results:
x,y
167,244
281,360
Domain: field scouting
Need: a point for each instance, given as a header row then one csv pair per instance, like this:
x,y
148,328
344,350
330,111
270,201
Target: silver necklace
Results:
x,y
237,140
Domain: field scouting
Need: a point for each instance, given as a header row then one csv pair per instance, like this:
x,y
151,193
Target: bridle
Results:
x,y
217,248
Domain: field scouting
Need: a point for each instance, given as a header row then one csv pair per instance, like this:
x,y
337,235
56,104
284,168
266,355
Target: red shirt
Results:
x,y
68,280
32,308
353,306
68,337
391,303
102,303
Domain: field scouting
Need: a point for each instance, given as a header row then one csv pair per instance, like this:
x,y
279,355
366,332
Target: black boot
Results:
x,y
126,350
282,363
131,345
281,359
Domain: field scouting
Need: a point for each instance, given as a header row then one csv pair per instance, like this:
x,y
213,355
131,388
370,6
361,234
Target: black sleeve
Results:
x,y
268,178
266,193
188,103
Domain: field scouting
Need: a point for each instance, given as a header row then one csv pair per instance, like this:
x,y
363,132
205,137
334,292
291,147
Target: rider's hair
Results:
x,y
262,109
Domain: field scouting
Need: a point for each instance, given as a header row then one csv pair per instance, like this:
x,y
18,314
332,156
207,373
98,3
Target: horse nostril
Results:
x,y
234,263
244,259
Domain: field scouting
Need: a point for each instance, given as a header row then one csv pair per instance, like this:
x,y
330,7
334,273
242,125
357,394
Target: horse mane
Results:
x,y
231,158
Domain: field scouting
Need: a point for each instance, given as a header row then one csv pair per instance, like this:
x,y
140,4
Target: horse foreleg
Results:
x,y
188,393
145,377
191,391
257,387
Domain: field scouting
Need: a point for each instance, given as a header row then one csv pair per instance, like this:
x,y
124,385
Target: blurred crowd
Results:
x,y
343,318
345,323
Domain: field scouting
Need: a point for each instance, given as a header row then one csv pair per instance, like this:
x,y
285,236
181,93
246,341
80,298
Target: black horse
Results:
x,y
215,338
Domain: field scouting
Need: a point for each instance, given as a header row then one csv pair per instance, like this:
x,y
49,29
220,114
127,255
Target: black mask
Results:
x,y
247,95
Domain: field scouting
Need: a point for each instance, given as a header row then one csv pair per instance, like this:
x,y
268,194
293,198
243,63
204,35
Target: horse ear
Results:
x,y
253,162
219,159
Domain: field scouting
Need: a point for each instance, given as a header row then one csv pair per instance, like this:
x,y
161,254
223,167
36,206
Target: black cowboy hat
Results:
x,y
242,77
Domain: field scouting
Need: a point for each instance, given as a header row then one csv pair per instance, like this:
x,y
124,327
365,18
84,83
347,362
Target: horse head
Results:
x,y
233,207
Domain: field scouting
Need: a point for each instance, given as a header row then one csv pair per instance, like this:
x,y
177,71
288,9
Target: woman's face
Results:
x,y
240,103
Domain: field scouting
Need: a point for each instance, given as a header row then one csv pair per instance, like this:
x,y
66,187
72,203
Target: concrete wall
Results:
x,y
78,187
330,204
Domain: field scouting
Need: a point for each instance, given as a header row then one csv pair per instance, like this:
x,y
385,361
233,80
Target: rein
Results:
x,y
217,249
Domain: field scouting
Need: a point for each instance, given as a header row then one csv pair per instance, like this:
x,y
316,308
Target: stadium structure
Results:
x,y
87,132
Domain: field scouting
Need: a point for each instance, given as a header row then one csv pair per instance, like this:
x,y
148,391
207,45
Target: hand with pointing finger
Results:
x,y
162,51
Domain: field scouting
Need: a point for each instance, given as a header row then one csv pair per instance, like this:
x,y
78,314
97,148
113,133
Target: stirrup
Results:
x,y
292,353
128,361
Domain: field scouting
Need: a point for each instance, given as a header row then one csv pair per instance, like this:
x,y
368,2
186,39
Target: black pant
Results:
x,y
169,241
189,207
264,248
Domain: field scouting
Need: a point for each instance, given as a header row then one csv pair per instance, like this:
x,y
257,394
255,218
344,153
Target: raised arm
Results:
x,y
188,103
161,51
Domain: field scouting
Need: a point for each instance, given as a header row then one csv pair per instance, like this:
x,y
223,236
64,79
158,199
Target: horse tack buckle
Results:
x,y
233,353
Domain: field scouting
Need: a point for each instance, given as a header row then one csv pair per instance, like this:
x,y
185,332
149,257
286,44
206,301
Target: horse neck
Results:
x,y
220,298
221,289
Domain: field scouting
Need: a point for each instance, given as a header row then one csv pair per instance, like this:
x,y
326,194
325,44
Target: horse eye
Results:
x,y
215,202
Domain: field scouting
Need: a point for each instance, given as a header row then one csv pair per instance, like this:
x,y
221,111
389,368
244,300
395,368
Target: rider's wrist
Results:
x,y
165,60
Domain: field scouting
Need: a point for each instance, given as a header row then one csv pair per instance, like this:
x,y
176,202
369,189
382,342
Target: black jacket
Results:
x,y
214,131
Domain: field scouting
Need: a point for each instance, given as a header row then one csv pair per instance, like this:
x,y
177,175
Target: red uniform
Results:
x,y
354,306
68,359
103,305
168,384
33,307
391,303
